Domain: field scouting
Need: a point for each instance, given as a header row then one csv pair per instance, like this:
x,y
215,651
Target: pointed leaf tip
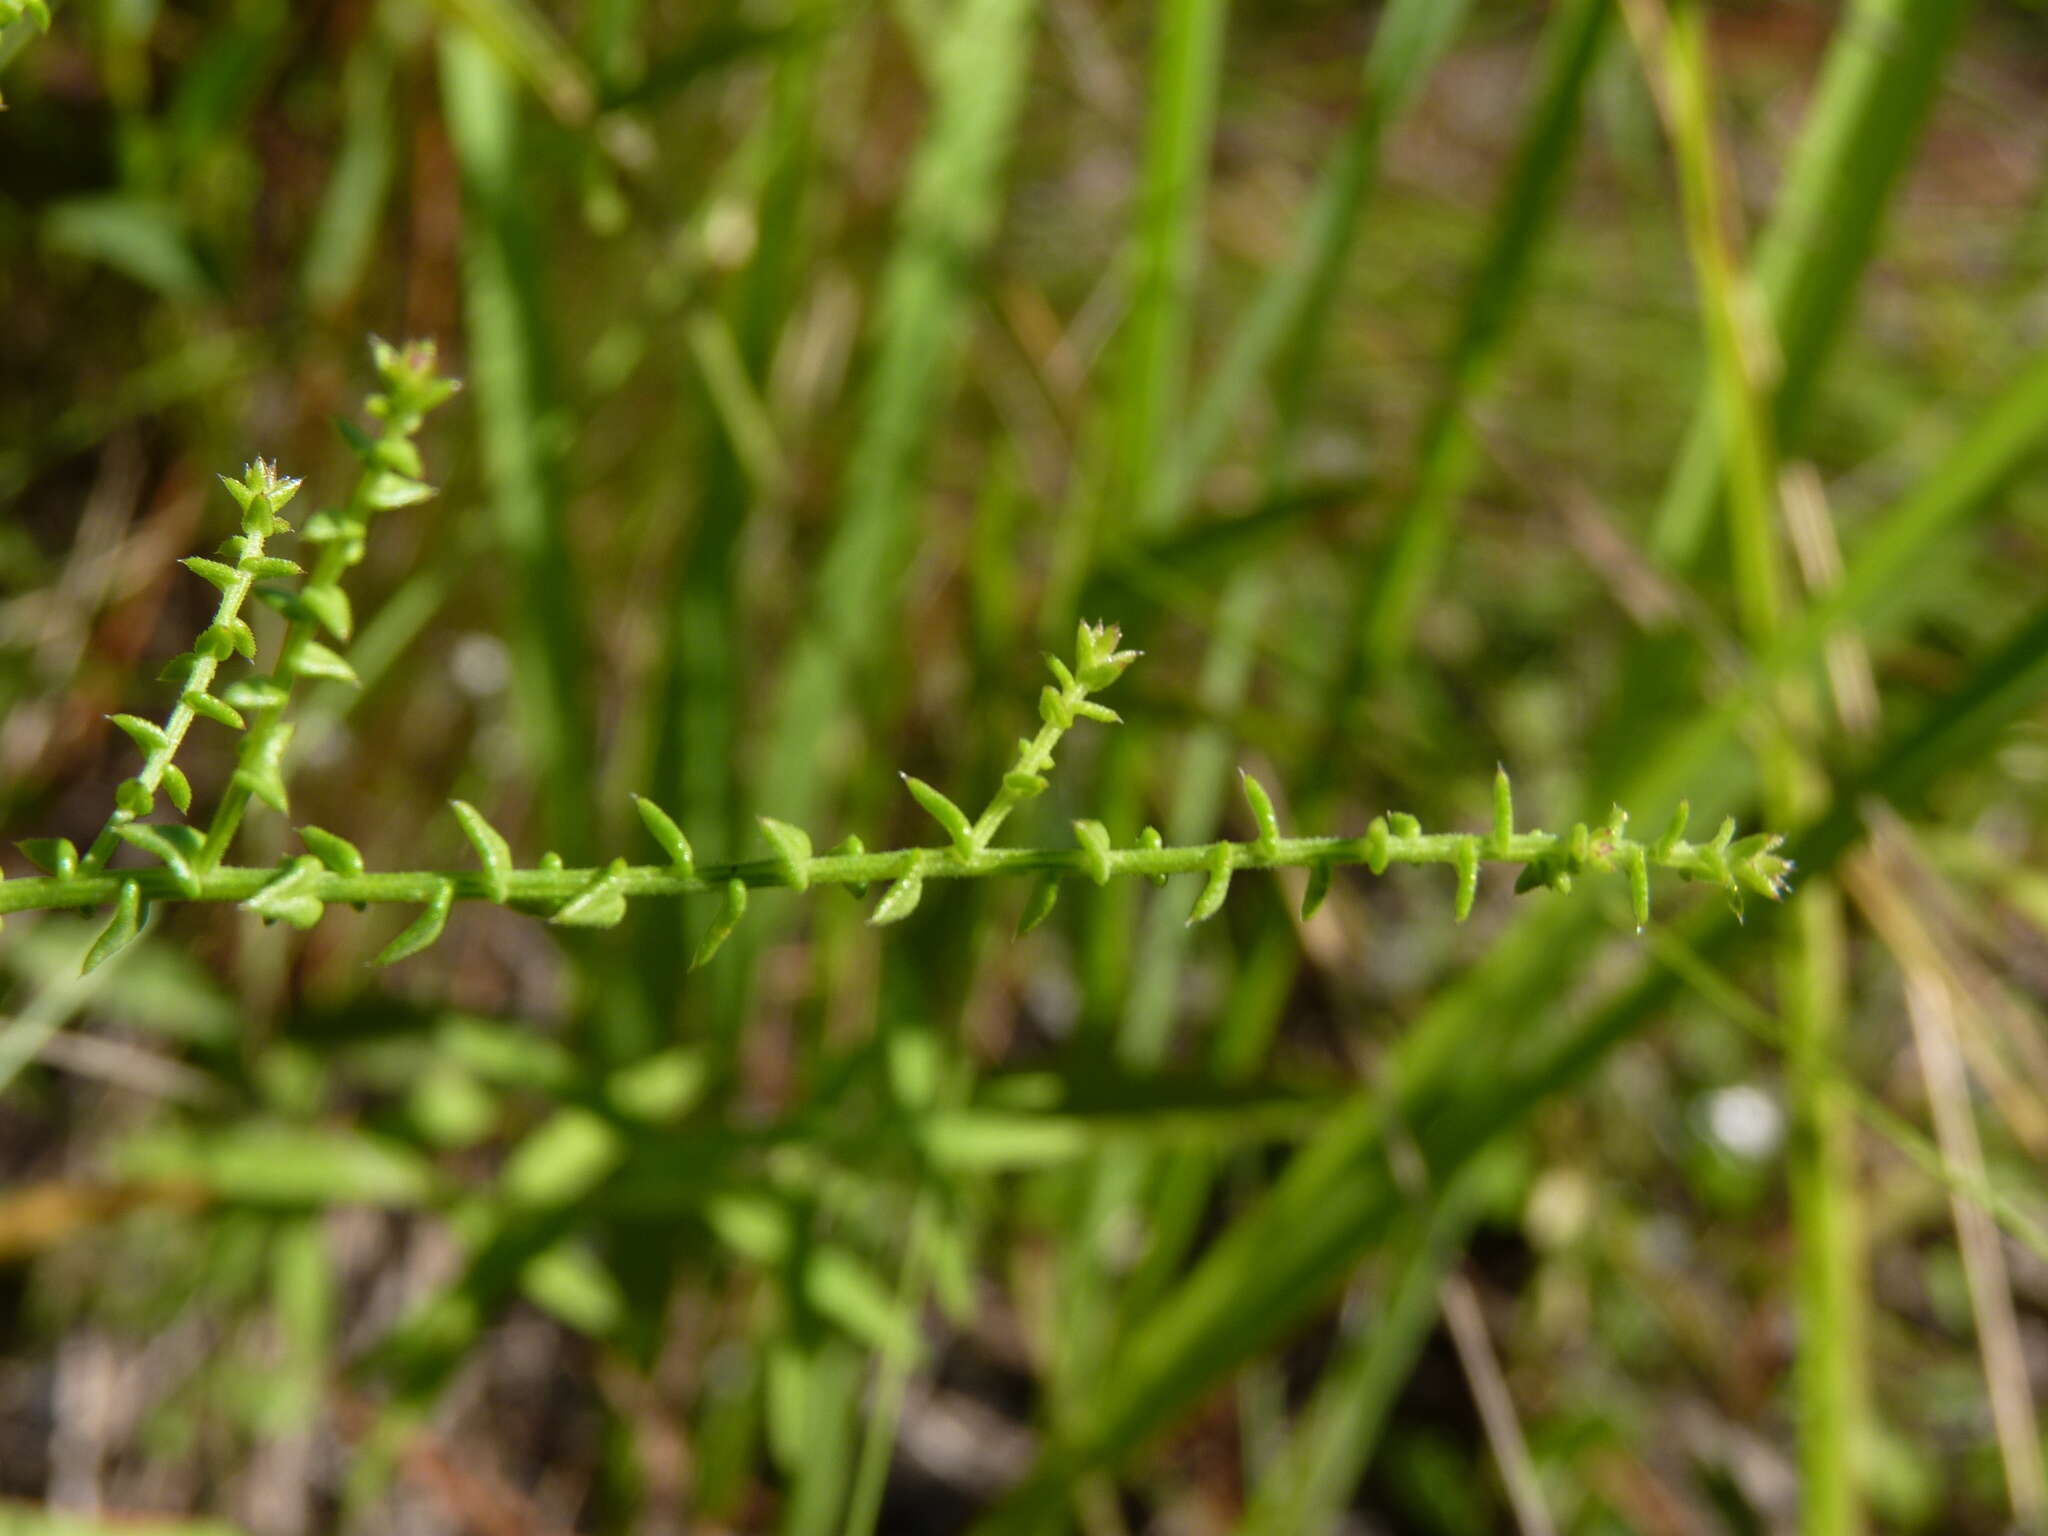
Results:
x,y
730,912
942,810
423,930
1503,810
120,930
1093,837
1044,897
492,851
899,901
1215,888
1468,876
792,847
663,829
1317,891
289,897
600,904
1262,809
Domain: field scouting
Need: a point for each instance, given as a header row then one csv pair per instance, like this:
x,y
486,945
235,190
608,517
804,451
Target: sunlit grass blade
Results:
x,y
1869,109
1810,953
339,248
1163,256
522,40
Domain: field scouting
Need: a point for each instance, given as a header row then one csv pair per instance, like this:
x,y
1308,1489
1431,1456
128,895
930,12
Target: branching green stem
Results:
x,y
299,890
390,478
548,889
261,493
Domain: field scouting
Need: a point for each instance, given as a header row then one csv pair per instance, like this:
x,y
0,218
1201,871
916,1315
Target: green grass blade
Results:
x,y
510,370
1164,255
1287,321
344,234
1869,109
948,216
1337,1198
1398,578
696,733
1308,1482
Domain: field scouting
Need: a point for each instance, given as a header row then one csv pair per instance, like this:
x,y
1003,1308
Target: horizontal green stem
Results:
x,y
545,888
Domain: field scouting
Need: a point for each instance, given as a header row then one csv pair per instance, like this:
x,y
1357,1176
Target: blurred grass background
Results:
x,y
1646,396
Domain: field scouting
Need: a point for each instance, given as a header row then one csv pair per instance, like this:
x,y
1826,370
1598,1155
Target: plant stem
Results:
x,y
196,683
546,887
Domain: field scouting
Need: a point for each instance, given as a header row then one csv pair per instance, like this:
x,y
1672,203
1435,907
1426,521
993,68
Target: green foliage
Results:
x,y
299,891
786,449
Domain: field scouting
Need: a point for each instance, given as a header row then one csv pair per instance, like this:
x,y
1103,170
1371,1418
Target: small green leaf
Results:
x,y
1403,825
386,492
1151,841
147,735
1715,855
1581,845
120,930
268,567
1044,897
423,929
1262,809
1215,888
178,787
52,855
662,828
1093,837
1054,709
255,693
850,847
289,897
1503,812
1060,671
1638,867
1023,785
600,904
1662,848
262,775
134,797
943,811
360,443
336,853
899,901
1468,876
207,706
1377,853
492,851
1089,710
1318,888
179,667
792,847
330,527
176,847
317,660
329,605
730,911
1097,661
1754,863
219,576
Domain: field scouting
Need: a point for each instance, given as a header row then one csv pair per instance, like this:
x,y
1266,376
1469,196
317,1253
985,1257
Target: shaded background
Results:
x,y
825,361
